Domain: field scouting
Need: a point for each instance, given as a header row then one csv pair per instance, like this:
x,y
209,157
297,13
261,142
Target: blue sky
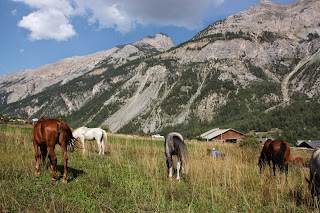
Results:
x,y
38,32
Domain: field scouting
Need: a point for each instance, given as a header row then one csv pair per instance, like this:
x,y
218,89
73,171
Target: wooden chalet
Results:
x,y
222,135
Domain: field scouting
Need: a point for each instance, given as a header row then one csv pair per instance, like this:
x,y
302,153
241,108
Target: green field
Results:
x,y
131,177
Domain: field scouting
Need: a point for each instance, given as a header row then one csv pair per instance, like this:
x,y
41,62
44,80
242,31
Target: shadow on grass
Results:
x,y
72,172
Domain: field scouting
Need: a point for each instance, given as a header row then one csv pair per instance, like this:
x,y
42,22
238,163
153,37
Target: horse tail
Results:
x,y
66,134
280,155
179,136
104,137
184,157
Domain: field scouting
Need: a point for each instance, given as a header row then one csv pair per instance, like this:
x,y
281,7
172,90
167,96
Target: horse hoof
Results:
x,y
64,181
37,174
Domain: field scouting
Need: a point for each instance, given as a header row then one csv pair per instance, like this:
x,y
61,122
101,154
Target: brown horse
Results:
x,y
297,160
46,134
277,151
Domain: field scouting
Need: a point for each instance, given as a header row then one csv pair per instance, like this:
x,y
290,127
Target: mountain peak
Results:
x,y
160,41
295,20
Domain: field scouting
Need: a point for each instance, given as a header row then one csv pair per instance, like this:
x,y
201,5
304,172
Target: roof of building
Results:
x,y
216,132
208,132
309,144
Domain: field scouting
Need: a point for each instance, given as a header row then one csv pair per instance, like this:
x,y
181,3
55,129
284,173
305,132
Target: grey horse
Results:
x,y
314,181
174,145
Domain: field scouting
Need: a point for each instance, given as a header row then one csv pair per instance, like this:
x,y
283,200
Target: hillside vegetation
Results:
x,y
131,177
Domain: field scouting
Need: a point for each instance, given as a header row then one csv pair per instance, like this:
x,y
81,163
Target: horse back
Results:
x,y
37,136
281,149
48,131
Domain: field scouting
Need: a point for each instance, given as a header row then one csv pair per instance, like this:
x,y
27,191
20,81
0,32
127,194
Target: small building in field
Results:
x,y
308,144
222,135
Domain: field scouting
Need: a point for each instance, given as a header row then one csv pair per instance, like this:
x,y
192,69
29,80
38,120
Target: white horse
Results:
x,y
98,134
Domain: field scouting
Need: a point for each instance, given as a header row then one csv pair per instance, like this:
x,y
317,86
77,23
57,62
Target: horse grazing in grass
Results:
x,y
46,134
174,145
314,167
297,160
277,151
98,134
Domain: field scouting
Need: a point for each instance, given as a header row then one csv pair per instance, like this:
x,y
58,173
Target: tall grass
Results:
x,y
131,177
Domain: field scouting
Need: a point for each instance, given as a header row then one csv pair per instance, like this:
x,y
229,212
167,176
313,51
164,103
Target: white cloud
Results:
x,y
47,24
123,15
62,5
51,18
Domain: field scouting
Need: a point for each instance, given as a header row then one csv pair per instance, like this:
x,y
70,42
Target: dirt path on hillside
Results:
x,y
182,116
286,79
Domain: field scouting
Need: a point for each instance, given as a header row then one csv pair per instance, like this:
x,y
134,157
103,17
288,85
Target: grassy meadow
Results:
x,y
131,177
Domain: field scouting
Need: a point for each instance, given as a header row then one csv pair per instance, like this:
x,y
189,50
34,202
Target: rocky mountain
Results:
x,y
245,72
17,86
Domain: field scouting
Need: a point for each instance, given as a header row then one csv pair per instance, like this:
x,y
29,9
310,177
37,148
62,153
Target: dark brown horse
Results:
x,y
46,134
277,151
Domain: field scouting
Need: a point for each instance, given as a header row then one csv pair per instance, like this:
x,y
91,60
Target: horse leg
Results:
x,y
178,169
37,156
169,167
65,164
102,146
53,162
44,153
83,147
182,169
99,145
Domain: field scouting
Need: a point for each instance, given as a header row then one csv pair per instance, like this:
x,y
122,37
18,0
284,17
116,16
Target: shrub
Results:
x,y
249,141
